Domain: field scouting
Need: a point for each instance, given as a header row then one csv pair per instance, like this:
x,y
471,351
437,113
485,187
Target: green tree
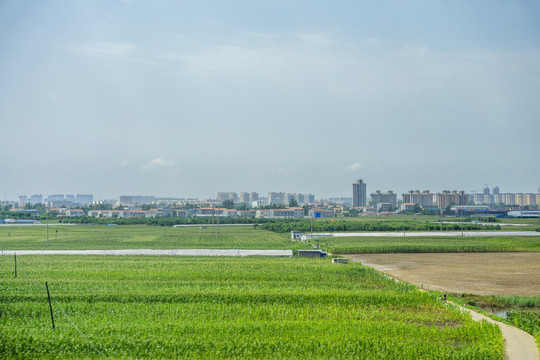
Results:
x,y
100,207
228,204
353,212
242,206
293,202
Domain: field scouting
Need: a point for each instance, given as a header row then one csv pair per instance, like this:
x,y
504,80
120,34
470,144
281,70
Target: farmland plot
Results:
x,y
170,307
94,237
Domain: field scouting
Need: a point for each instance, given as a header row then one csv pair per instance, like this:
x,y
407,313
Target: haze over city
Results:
x,y
186,99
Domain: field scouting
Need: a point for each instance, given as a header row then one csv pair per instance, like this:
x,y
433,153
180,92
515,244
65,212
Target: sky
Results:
x,y
190,98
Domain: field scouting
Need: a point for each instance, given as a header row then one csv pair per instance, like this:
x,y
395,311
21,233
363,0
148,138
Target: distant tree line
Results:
x,y
328,226
162,221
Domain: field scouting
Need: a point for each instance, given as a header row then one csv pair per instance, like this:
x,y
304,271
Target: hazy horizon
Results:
x,y
187,99
213,196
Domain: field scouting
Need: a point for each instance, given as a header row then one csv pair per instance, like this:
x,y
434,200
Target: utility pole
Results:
x,y
47,229
311,225
218,227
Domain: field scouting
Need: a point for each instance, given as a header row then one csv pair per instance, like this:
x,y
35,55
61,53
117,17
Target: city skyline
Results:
x,y
191,98
360,186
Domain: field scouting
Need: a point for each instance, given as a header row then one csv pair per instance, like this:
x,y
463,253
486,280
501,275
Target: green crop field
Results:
x,y
78,237
203,308
527,224
357,245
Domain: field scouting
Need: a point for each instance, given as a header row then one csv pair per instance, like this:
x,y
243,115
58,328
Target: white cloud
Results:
x,y
108,49
124,163
355,166
370,41
225,59
262,35
157,164
115,18
317,38
273,171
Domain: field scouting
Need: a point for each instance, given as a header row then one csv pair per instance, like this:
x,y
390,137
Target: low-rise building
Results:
x,y
384,207
181,213
74,212
29,212
281,214
407,207
288,213
94,213
123,214
230,213
320,213
262,213
247,213
165,212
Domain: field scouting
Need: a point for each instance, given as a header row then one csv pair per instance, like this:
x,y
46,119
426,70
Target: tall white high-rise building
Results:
x,y
84,199
276,198
36,199
253,196
244,197
359,193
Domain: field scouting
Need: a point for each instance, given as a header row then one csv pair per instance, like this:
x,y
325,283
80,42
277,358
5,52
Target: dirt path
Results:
x,y
519,345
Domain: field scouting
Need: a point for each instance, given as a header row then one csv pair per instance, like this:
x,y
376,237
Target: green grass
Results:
x,y
528,321
495,303
529,224
79,237
390,217
352,245
203,308
521,311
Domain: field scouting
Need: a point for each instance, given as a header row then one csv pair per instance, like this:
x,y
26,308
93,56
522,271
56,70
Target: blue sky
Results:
x,y
188,98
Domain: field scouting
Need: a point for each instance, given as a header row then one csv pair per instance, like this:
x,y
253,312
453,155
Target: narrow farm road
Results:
x,y
518,345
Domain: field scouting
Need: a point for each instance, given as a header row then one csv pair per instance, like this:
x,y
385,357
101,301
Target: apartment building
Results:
x,y
446,198
359,193
423,199
388,197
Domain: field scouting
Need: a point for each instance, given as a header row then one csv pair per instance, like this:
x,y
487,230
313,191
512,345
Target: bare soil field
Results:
x,y
474,273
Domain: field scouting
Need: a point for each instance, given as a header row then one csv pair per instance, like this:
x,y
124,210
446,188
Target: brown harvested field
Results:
x,y
474,273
